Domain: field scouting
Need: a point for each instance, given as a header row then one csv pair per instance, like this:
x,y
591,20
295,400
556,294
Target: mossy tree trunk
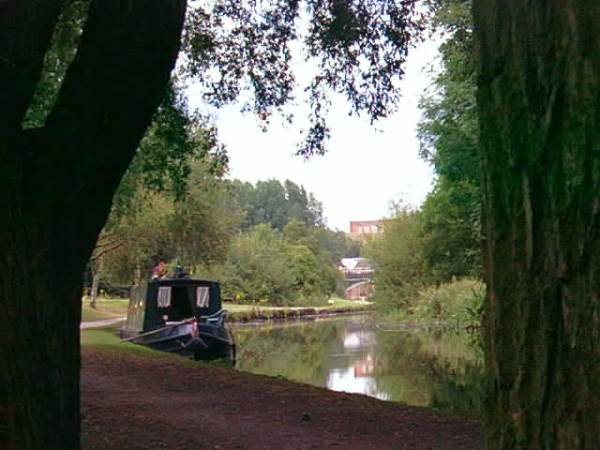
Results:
x,y
539,105
56,188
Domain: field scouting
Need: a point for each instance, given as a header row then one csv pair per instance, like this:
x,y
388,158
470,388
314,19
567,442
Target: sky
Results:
x,y
366,166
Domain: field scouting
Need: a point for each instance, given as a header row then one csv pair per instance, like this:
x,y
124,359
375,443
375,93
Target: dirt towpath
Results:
x,y
144,402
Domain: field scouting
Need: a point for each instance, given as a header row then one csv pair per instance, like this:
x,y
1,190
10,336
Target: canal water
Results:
x,y
357,354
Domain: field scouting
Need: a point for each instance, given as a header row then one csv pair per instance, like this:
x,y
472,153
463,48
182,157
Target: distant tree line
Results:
x,y
276,203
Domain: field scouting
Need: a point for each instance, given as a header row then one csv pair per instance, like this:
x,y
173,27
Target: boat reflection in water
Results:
x,y
179,315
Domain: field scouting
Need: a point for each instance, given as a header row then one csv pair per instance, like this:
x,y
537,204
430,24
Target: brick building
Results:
x,y
365,227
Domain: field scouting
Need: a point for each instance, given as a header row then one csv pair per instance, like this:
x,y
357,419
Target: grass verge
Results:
x,y
106,339
106,308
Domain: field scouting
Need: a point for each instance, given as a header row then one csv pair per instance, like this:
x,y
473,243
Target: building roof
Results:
x,y
356,263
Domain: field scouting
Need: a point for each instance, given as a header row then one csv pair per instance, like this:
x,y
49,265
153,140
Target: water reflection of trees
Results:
x,y
443,371
418,368
300,353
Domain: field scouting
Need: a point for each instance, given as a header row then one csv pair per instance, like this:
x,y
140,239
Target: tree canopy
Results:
x,y
358,48
448,131
276,203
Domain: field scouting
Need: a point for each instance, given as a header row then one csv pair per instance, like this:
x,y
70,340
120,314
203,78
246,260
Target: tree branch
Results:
x,y
25,30
110,243
96,255
107,99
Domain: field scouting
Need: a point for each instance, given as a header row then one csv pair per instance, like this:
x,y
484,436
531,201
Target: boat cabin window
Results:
x,y
174,303
202,296
164,297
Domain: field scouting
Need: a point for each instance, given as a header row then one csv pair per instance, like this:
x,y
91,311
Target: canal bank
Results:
x,y
246,313
140,400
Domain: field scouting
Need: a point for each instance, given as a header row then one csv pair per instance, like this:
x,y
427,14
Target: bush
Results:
x,y
457,303
262,267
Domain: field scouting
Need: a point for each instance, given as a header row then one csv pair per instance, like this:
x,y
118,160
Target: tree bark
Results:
x,y
539,106
56,187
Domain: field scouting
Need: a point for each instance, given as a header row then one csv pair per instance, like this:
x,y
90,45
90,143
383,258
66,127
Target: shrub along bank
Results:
x,y
456,304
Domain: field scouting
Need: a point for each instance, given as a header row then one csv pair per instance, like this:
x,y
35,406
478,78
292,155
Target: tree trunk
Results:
x,y
41,291
56,187
539,106
96,272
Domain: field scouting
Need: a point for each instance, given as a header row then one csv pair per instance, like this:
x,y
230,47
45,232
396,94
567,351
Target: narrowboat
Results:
x,y
180,315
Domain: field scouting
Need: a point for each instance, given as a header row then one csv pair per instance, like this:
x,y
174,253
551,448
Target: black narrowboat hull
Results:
x,y
199,341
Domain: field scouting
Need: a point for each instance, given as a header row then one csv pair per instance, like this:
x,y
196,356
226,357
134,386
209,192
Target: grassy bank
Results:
x,y
107,339
251,313
108,308
455,305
